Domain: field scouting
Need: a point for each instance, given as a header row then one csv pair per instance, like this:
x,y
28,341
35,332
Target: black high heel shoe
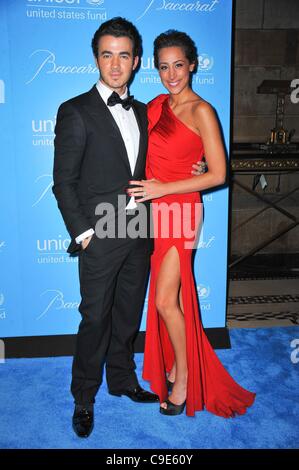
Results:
x,y
172,409
169,385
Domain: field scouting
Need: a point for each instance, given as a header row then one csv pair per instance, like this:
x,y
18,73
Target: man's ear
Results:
x,y
96,61
135,62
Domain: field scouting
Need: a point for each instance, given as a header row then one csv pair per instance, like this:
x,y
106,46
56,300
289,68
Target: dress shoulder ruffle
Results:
x,y
154,109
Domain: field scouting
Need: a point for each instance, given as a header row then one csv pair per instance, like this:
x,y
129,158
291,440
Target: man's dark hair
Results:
x,y
174,38
118,27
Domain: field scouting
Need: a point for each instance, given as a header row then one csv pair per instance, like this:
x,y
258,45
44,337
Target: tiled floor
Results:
x,y
263,302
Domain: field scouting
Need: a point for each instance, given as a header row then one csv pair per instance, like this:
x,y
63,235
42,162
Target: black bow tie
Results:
x,y
116,99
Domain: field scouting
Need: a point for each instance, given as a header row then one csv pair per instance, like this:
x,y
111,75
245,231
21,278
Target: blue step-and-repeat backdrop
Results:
x,y
46,59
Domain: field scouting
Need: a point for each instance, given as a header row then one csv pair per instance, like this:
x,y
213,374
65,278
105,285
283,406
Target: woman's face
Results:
x,y
174,69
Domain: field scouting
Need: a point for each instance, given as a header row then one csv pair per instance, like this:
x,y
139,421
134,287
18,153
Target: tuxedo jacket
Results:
x,y
91,164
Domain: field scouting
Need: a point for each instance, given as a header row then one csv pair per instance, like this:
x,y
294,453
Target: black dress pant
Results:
x,y
112,286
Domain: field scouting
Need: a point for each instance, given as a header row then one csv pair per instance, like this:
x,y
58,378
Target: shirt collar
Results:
x,y
105,91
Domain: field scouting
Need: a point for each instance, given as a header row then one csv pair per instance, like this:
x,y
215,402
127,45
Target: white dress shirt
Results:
x,y
127,124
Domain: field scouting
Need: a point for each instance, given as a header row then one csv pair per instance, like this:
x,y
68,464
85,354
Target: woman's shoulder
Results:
x,y
204,115
202,107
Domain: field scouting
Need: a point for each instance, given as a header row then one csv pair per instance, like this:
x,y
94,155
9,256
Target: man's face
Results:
x,y
115,62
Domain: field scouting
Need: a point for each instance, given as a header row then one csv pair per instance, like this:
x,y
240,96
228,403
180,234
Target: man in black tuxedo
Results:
x,y
100,145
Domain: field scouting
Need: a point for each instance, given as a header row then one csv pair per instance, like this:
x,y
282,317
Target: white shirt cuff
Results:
x,y
84,235
131,205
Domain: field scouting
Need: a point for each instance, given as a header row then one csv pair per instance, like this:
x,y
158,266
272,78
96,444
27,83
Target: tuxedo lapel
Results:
x,y
142,139
98,109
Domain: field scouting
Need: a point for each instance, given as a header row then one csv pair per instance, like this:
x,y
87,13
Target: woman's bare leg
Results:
x,y
171,376
168,306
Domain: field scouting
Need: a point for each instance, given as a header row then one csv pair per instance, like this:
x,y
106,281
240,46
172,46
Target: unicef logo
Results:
x,y
95,3
1,299
205,62
203,291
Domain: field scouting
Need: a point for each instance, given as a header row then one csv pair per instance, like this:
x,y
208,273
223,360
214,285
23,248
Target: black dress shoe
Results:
x,y
83,421
137,394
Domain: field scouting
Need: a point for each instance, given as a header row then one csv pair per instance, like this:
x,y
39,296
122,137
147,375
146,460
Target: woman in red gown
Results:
x,y
179,362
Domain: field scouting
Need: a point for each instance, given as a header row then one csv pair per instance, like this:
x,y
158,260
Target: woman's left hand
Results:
x,y
147,189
